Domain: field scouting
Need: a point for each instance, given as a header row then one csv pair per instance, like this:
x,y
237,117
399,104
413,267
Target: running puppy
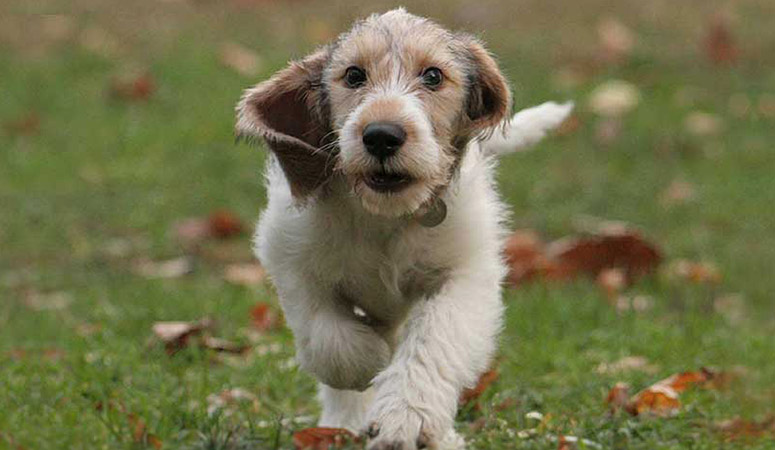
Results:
x,y
383,230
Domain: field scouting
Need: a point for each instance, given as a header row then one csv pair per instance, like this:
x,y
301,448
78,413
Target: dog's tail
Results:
x,y
527,127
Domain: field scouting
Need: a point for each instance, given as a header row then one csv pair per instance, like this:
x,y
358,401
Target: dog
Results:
x,y
383,230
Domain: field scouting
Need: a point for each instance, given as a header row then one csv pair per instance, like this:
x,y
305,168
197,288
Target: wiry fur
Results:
x,y
392,317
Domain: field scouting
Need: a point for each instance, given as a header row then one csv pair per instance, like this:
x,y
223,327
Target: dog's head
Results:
x,y
390,105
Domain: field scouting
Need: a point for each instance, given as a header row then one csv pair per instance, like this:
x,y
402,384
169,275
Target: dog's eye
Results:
x,y
432,77
354,77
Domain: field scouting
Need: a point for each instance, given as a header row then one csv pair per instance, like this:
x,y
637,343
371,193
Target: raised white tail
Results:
x,y
527,127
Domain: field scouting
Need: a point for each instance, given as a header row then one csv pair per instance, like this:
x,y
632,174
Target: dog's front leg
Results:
x,y
447,342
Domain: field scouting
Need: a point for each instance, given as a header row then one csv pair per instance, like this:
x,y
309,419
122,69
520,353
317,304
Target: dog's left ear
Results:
x,y
489,97
288,112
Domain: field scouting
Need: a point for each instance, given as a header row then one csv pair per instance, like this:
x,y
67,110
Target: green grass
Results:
x,y
101,171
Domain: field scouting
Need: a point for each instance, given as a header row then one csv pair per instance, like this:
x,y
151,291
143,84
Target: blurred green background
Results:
x,y
116,129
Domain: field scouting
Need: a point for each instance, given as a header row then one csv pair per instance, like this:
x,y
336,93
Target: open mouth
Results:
x,y
387,182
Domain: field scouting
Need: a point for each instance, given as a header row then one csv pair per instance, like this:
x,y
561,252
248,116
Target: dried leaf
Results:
x,y
740,429
50,301
229,398
696,272
684,380
241,59
251,274
525,254
612,281
140,433
322,438
133,88
99,42
720,47
616,248
263,318
637,303
614,98
225,224
223,345
172,268
732,307
616,40
657,400
702,124
608,130
677,193
661,398
193,230
46,354
618,397
565,442
766,105
176,335
485,380
626,364
26,125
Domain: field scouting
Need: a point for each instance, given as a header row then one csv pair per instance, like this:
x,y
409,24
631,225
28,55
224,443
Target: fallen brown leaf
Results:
x,y
741,429
696,272
615,255
626,364
612,281
614,98
133,88
176,335
140,434
239,58
607,131
720,46
616,40
322,438
616,248
662,398
263,318
684,380
225,224
49,301
702,124
485,380
47,354
230,397
171,268
677,193
251,274
193,230
657,400
26,125
525,255
223,345
99,42
618,397
637,303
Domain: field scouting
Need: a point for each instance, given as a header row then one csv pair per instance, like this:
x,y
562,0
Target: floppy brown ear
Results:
x,y
489,97
289,112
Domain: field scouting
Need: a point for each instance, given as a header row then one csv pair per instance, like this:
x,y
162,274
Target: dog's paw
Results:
x,y
402,429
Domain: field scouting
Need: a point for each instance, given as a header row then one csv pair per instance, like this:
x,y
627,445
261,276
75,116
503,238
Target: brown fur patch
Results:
x,y
286,112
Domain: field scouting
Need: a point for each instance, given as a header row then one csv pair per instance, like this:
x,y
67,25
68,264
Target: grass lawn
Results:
x,y
99,183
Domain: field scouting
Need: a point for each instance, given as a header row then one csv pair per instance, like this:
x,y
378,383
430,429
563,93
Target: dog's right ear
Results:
x,y
288,111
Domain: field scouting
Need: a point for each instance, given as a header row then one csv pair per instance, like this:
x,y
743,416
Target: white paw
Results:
x,y
403,428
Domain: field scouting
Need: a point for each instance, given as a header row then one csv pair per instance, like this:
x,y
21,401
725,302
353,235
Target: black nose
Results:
x,y
383,139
